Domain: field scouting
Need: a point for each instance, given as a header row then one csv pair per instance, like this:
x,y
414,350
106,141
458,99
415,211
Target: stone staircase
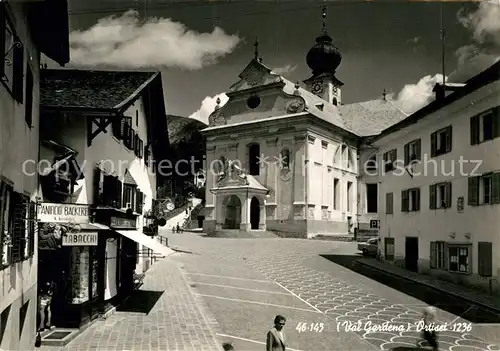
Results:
x,y
237,234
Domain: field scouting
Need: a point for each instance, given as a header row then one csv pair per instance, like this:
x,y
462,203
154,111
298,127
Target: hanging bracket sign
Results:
x,y
63,213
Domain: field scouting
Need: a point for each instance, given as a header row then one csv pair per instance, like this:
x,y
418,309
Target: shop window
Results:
x,y
94,272
459,258
79,275
438,255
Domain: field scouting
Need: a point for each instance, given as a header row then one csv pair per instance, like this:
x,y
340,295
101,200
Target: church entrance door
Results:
x,y
254,213
233,213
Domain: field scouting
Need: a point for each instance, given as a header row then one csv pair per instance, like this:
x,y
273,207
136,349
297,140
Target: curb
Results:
x,y
482,305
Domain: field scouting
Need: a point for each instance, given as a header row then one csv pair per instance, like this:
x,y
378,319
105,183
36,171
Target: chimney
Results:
x,y
439,91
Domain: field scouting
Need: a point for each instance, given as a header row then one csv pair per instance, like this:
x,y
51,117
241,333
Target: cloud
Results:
x,y
208,106
129,43
414,96
284,70
484,25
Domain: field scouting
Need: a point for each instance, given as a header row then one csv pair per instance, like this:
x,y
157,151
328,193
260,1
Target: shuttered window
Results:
x,y
484,190
440,196
485,259
438,255
485,126
405,201
441,141
33,229
28,104
6,192
139,201
117,128
412,151
389,203
19,214
18,71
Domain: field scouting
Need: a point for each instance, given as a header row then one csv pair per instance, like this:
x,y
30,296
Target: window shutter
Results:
x,y
18,71
449,135
484,258
433,144
407,154
97,187
473,191
19,227
495,188
146,155
117,128
496,122
474,130
433,256
2,35
119,192
417,194
418,148
28,105
449,196
404,201
432,197
33,229
446,255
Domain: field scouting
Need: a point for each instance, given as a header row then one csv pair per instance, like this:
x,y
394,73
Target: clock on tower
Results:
x,y
317,88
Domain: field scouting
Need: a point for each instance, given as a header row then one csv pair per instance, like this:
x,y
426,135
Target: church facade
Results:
x,y
285,156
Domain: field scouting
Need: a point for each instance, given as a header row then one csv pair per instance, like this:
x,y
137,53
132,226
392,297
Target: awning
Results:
x,y
150,243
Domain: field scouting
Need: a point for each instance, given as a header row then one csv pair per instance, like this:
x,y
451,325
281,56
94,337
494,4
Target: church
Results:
x,y
290,157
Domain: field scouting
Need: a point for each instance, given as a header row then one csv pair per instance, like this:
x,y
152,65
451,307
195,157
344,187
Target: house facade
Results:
x,y
100,140
439,201
27,34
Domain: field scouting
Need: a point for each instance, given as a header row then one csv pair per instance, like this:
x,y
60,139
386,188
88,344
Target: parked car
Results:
x,y
369,248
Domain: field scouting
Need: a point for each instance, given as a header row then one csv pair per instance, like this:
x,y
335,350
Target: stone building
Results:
x,y
29,29
284,156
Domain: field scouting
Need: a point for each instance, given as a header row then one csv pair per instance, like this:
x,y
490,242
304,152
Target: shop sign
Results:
x,y
63,213
118,222
79,239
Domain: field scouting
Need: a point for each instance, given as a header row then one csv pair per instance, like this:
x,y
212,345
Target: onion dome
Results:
x,y
324,56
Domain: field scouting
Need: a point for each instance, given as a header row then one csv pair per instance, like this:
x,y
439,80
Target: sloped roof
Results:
x,y
180,128
362,119
370,117
90,89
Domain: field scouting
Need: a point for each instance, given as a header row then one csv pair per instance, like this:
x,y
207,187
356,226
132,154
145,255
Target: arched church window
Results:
x,y
285,159
254,159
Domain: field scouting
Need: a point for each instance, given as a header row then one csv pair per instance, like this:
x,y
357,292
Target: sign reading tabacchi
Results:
x,y
63,213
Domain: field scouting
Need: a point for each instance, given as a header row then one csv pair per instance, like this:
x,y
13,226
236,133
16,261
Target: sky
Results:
x,y
202,47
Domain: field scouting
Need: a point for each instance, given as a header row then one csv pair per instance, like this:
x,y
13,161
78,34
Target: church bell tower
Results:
x,y
323,59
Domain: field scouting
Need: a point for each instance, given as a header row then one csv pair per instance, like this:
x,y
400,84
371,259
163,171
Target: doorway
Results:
x,y
254,213
233,213
411,253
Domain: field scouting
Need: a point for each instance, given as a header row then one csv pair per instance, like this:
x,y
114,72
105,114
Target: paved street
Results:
x,y
246,282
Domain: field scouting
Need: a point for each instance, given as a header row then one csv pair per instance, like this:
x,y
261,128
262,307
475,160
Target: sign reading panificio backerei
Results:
x,y
63,213
79,239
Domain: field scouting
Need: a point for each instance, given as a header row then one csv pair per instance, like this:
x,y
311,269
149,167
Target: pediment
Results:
x,y
233,177
254,75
